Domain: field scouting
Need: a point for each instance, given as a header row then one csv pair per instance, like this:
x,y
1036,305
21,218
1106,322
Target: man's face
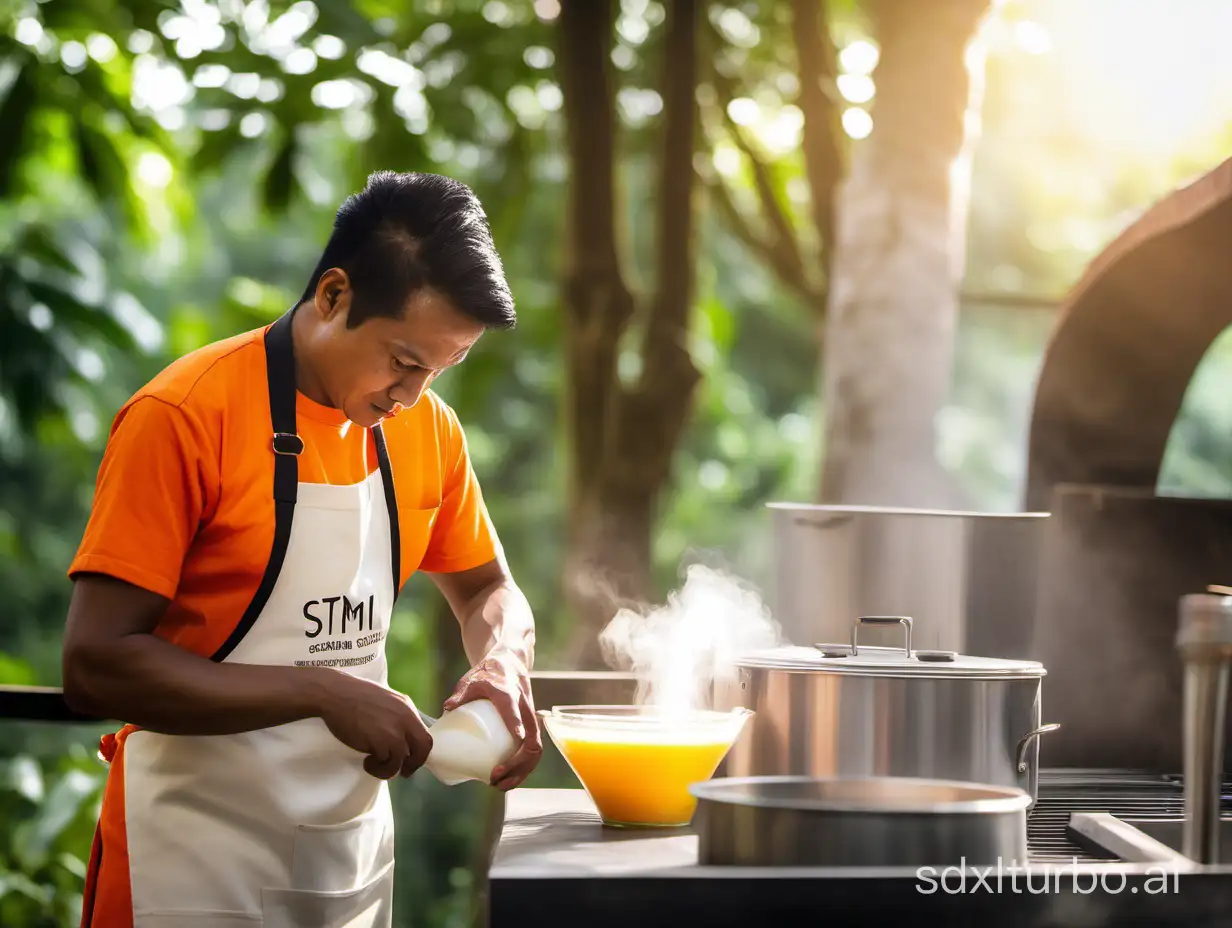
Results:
x,y
375,369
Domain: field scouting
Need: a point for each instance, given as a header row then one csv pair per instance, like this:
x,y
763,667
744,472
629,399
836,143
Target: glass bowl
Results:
x,y
637,762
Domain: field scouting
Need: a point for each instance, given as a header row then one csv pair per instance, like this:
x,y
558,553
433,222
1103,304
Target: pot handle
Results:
x,y
1026,740
903,620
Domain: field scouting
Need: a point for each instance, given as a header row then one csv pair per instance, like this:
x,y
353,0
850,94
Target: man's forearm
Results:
x,y
499,618
150,683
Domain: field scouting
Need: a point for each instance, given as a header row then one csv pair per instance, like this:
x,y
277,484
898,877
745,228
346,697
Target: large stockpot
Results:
x,y
853,710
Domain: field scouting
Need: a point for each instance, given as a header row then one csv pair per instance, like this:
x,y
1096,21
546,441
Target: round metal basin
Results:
x,y
792,821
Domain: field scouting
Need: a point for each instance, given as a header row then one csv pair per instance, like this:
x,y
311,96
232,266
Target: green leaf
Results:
x,y
280,178
16,672
34,839
218,146
22,775
14,883
19,103
39,242
340,18
110,91
81,318
719,321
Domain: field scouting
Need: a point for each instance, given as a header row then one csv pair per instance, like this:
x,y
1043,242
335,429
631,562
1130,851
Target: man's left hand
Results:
x,y
503,678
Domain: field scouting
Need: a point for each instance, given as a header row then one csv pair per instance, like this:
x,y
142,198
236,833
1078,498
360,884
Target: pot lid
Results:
x,y
856,658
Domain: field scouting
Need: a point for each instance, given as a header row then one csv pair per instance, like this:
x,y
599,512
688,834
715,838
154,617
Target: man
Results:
x,y
259,505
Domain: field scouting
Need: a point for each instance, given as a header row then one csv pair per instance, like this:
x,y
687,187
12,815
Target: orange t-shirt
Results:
x,y
184,503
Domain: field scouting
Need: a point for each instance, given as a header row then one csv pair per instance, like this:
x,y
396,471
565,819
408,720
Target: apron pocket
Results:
x,y
370,906
339,858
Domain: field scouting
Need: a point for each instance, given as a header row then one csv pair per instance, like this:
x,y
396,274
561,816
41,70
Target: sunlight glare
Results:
x,y
737,28
547,9
334,95
102,48
1123,106
1033,38
73,55
390,70
300,61
329,47
726,160
29,31
857,123
859,57
781,134
252,125
498,14
154,170
743,111
856,88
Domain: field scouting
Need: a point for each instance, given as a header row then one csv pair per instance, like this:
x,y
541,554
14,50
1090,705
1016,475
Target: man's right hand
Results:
x,y
375,721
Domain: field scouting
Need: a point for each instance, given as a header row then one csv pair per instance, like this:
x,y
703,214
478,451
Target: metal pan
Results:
x,y
795,821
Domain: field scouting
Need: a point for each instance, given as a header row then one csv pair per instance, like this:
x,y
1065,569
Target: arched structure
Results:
x,y
1130,336
1116,557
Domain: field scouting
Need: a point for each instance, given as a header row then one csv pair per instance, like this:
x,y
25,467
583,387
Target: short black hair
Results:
x,y
407,232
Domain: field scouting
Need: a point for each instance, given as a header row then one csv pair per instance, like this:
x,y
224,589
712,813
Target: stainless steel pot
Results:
x,y
852,710
866,822
968,578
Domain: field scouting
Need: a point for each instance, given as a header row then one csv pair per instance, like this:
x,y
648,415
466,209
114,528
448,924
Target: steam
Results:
x,y
680,651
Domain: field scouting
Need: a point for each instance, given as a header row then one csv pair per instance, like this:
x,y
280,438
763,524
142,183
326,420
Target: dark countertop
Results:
x,y
556,864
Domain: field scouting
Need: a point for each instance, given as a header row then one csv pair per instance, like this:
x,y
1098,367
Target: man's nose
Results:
x,y
407,391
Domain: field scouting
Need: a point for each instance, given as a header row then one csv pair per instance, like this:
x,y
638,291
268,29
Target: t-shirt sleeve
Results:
x,y
463,535
156,484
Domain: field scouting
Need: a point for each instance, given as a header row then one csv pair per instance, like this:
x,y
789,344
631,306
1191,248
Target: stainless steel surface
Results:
x,y
882,713
1204,640
968,579
1124,840
899,660
1146,840
1171,834
863,822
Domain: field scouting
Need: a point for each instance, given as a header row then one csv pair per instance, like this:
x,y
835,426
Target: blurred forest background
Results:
x,y
671,223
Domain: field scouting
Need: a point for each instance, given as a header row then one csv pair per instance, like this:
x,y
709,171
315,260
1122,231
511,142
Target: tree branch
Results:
x,y
785,241
789,272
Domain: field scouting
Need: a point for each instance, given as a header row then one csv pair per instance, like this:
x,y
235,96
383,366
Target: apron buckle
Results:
x,y
287,443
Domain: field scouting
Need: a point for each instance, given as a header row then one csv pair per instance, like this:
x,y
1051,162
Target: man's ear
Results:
x,y
333,294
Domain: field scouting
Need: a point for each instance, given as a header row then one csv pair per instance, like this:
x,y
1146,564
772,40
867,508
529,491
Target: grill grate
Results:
x,y
1122,793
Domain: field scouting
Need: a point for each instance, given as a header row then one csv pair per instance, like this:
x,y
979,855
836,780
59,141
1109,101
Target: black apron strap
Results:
x,y
391,503
286,446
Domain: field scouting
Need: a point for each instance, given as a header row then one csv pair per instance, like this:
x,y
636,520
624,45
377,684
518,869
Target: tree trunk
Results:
x,y
621,436
893,304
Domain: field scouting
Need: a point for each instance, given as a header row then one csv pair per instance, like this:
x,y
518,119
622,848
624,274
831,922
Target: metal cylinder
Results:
x,y
968,579
858,822
1204,640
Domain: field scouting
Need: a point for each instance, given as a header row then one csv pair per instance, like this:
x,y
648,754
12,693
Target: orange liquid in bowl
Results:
x,y
643,777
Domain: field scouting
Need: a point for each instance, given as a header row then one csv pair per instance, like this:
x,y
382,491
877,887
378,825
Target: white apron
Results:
x,y
282,828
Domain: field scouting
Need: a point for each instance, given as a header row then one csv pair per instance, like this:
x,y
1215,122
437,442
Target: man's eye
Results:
x,y
404,366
